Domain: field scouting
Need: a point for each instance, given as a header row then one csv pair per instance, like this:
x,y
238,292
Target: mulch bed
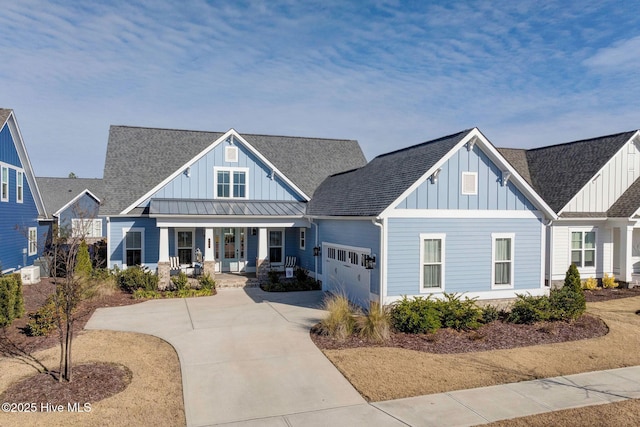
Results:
x,y
494,336
90,383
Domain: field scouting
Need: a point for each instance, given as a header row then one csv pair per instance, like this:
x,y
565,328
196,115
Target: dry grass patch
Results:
x,y
154,396
392,373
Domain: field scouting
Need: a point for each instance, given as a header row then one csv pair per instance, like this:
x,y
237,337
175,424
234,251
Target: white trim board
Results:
x,y
482,295
454,213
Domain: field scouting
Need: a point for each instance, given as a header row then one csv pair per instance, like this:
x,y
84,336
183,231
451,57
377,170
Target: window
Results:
x,y
431,261
231,183
86,227
19,186
276,246
303,238
331,253
33,241
583,248
185,246
469,183
5,184
231,154
133,247
354,257
502,272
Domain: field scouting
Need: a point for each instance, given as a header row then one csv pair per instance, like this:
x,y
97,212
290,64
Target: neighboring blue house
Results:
x,y
449,215
20,202
74,205
239,200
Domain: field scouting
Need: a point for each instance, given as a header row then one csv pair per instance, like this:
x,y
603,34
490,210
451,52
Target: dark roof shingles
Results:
x,y
57,192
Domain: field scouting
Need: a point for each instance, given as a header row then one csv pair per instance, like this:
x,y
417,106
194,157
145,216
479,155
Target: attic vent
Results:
x,y
231,154
469,183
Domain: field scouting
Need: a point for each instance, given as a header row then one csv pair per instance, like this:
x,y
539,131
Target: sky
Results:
x,y
389,74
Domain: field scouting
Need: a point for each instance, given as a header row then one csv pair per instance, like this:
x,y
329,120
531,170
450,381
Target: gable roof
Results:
x,y
518,159
138,159
8,118
627,204
59,192
369,190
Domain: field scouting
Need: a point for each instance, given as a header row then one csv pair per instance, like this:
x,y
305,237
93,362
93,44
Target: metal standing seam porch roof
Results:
x,y
200,207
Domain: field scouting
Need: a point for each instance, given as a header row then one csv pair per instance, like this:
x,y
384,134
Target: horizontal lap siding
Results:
x,y
362,234
151,240
468,253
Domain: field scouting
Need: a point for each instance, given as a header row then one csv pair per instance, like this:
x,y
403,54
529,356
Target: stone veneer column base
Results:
x,y
263,266
209,267
164,275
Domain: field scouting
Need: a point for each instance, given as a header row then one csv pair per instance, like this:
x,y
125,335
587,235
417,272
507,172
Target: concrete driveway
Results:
x,y
246,356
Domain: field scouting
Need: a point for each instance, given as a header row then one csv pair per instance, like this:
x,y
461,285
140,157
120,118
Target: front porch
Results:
x,y
236,280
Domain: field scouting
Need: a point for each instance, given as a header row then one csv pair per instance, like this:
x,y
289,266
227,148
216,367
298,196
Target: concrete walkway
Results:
x,y
247,360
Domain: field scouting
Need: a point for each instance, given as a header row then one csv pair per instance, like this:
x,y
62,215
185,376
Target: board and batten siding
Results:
x,y
562,249
468,253
356,233
200,182
616,176
446,192
151,242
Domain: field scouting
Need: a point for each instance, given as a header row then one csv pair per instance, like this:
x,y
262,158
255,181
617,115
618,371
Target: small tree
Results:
x,y
83,262
572,278
11,300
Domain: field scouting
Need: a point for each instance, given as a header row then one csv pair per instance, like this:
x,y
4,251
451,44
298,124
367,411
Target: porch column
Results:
x,y
262,261
626,266
164,269
209,261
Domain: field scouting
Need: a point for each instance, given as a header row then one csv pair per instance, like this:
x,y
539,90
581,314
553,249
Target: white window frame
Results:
x,y
494,237
86,226
124,244
32,241
303,238
19,186
475,182
193,243
231,154
583,230
442,238
4,188
283,256
231,182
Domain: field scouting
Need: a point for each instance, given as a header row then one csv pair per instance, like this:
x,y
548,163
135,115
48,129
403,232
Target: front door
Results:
x,y
232,249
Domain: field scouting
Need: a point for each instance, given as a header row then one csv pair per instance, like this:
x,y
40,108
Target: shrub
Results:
x,y
566,303
459,314
11,299
572,278
180,281
416,316
340,321
43,321
590,284
490,313
376,324
609,281
529,309
274,276
83,261
207,282
137,278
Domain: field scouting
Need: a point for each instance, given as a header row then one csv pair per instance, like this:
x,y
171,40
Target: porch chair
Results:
x,y
289,265
174,265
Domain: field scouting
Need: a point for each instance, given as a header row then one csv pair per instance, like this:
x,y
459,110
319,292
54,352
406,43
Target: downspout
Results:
x,y
378,222
550,242
108,219
315,258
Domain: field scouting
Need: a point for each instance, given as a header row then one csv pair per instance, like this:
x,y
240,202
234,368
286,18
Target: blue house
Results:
x,y
73,205
20,202
239,200
448,215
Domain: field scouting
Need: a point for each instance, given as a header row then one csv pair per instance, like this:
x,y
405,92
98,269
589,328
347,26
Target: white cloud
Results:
x,y
623,55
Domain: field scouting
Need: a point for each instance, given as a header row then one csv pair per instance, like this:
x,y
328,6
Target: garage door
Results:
x,y
343,272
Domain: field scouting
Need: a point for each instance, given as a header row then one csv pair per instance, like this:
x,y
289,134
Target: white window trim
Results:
x,y
442,237
193,243
19,186
231,170
585,270
124,244
32,241
475,180
231,154
303,238
2,183
495,236
88,230
277,264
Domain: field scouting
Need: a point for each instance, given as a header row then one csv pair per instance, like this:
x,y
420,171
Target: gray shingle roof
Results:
x,y
57,192
138,159
4,115
518,159
226,207
369,190
558,172
628,203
